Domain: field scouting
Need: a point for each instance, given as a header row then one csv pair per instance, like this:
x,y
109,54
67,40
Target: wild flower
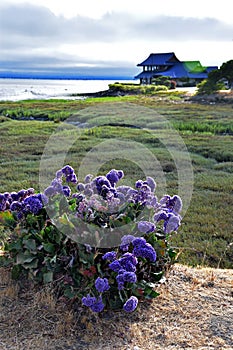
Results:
x,y
110,256
146,226
112,278
101,284
131,304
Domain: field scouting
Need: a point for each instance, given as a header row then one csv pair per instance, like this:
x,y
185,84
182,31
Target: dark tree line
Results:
x,y
217,79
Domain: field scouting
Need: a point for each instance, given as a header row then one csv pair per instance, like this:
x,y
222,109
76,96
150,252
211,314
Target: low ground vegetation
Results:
x,y
206,233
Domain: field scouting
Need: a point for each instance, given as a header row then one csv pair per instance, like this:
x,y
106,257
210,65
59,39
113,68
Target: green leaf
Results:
x,y
48,277
29,244
17,245
16,271
153,294
157,276
31,265
64,220
23,258
69,293
49,247
172,253
116,303
7,219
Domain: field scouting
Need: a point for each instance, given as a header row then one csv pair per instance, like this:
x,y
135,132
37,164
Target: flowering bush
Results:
x,y
99,242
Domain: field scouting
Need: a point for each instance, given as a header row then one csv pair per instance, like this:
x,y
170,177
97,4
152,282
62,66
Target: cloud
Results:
x,y
34,35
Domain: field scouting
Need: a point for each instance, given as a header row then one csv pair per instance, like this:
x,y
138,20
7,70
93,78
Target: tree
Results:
x,y
208,87
226,70
215,79
163,80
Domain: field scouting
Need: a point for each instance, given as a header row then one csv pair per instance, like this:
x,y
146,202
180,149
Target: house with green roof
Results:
x,y
184,73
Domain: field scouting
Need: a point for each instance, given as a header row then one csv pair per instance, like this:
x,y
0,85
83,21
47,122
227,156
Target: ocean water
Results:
x,y
27,89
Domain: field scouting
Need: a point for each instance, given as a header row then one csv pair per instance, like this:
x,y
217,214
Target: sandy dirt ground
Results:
x,y
193,311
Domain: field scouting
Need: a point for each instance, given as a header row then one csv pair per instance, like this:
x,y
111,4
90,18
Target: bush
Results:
x,y
209,87
137,89
104,244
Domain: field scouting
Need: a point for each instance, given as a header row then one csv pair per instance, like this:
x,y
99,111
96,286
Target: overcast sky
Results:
x,y
98,35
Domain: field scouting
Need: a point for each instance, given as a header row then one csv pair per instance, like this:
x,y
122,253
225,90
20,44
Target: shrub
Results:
x,y
209,87
162,80
62,237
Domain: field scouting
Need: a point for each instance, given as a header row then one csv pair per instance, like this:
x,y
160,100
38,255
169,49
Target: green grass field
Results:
x,y
156,123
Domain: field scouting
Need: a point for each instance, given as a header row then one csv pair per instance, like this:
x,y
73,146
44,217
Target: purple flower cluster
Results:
x,y
140,247
143,249
131,304
169,213
22,202
173,204
7,198
125,268
146,227
143,192
109,256
31,204
125,242
95,304
101,284
57,187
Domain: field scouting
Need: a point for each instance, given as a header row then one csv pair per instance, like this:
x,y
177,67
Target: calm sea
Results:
x,y
26,89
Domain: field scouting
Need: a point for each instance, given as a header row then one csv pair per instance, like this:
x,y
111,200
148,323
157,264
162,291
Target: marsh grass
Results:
x,y
206,234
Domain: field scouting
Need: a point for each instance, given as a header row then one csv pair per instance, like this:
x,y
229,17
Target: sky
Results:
x,y
104,37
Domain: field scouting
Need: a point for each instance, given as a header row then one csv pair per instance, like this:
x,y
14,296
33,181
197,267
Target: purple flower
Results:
x,y
146,226
172,203
88,178
161,215
143,249
102,185
14,196
114,176
151,183
109,256
139,184
131,304
42,198
50,191
126,276
66,191
98,306
101,284
88,300
95,304
57,185
16,206
6,195
123,189
33,204
175,204
2,202
59,174
128,262
80,187
139,241
30,191
115,266
125,242
22,194
67,170
72,178
172,223
171,220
